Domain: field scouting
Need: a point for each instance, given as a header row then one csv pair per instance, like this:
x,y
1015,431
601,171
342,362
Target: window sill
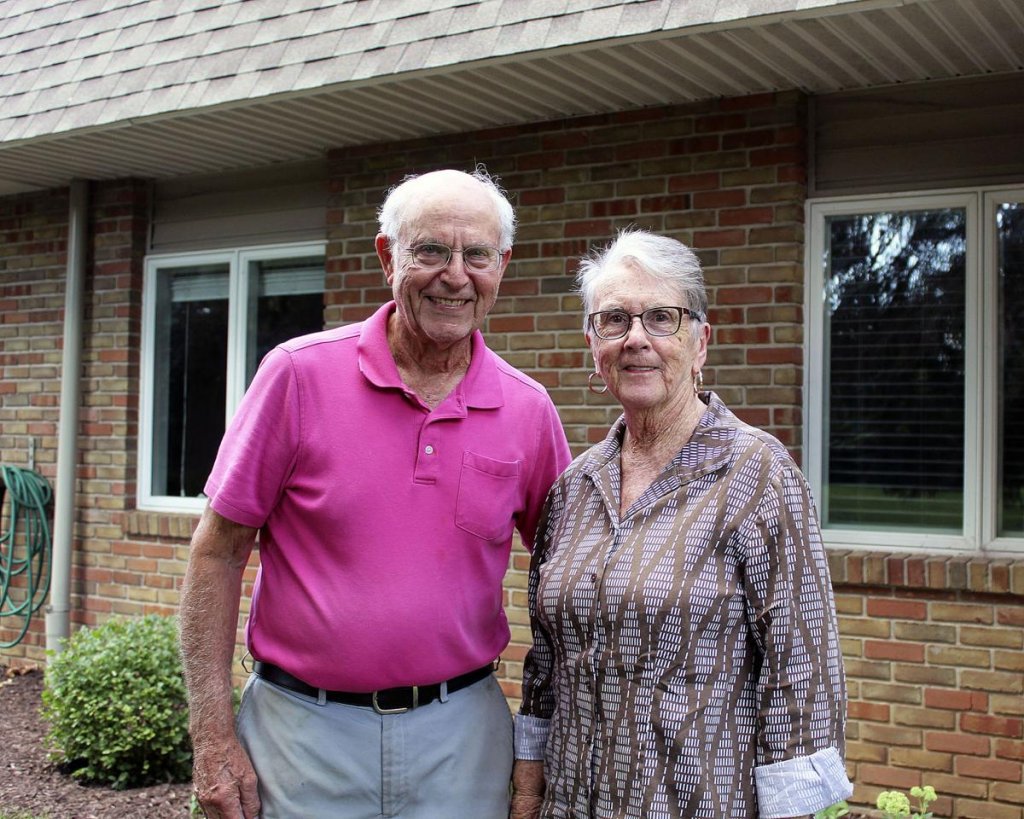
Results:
x,y
160,524
978,574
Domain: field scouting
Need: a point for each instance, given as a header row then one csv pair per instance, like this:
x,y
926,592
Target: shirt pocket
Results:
x,y
488,496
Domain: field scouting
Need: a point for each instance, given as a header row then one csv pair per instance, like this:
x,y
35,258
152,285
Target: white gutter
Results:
x,y
58,612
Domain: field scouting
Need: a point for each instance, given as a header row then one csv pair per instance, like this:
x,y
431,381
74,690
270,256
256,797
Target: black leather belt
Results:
x,y
386,701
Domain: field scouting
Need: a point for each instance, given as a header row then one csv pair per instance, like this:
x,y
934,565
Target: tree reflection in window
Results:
x,y
1010,261
895,401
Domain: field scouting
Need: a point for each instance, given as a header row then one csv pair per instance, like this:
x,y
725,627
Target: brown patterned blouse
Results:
x,y
685,660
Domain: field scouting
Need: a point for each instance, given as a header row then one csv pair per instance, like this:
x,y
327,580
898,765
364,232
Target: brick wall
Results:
x,y
727,178
111,572
932,646
33,251
119,569
934,662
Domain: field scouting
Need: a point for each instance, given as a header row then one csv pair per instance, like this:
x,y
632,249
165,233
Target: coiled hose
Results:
x,y
25,547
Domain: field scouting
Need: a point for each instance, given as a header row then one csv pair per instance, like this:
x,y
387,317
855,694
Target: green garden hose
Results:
x,y
25,547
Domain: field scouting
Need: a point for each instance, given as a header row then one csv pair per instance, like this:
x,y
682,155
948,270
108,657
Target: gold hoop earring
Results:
x,y
590,385
698,382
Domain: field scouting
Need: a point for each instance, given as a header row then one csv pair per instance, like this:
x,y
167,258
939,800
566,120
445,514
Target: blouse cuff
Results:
x,y
802,785
531,736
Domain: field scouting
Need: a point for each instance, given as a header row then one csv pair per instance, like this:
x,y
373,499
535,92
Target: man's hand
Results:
x,y
225,782
527,789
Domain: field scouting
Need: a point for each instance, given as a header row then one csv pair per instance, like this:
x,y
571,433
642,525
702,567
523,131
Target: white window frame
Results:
x,y
981,363
991,377
237,261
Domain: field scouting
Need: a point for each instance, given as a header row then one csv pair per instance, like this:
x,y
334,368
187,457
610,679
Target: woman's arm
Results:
x,y
801,686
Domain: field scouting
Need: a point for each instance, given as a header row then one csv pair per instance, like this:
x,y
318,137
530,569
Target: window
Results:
x,y
208,320
915,361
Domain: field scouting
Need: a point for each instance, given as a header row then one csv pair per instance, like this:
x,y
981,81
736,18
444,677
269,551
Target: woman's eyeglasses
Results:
x,y
656,321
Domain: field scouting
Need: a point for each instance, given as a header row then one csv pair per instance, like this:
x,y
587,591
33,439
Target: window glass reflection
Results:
x,y
895,402
190,384
286,300
1010,262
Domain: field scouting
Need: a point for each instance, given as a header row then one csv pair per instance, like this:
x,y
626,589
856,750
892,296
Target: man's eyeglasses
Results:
x,y
656,321
433,256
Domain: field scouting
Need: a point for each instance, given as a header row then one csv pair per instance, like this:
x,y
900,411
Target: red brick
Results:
x,y
641,150
988,768
743,295
954,700
565,139
511,324
996,726
1009,749
758,356
746,216
722,122
873,711
693,182
719,238
749,139
743,335
777,156
656,204
614,207
1010,615
713,200
915,573
542,196
957,743
601,228
904,652
888,777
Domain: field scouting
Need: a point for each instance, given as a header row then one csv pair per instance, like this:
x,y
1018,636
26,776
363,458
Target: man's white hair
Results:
x,y
392,215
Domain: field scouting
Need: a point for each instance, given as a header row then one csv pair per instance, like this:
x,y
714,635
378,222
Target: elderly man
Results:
x,y
384,466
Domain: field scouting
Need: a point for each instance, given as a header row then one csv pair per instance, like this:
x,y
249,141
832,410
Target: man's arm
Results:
x,y
223,776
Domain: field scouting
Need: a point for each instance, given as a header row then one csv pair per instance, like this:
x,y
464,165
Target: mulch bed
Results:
x,y
32,785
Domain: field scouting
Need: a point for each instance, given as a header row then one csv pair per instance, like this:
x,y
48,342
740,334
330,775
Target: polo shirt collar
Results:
x,y
481,387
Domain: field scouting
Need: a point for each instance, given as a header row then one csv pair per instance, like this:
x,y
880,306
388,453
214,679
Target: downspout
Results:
x,y
58,612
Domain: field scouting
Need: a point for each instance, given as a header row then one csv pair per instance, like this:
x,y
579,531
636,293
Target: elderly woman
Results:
x,y
685,660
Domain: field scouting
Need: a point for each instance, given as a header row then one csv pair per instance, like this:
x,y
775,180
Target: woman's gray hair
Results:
x,y
658,256
392,214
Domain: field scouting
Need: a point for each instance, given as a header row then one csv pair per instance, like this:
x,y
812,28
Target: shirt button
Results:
x,y
428,449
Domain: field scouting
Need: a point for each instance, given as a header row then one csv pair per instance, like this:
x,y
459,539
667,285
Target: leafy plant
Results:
x,y
833,811
896,804
115,700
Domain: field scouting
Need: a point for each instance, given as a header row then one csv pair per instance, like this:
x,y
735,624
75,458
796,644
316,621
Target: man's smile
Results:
x,y
446,302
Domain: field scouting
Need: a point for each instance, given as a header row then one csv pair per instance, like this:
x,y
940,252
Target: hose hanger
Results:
x,y
25,547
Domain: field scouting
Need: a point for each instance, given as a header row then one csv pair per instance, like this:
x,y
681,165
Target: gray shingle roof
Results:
x,y
98,61
106,88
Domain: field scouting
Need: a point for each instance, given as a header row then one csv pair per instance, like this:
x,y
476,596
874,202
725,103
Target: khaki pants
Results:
x,y
443,760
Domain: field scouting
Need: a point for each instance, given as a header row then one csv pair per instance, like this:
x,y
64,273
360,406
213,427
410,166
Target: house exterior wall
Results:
x,y
933,646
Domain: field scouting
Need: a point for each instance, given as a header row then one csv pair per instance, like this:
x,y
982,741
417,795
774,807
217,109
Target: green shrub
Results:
x,y
833,811
895,804
115,701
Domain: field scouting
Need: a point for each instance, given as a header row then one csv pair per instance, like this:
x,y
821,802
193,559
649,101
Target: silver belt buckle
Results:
x,y
403,709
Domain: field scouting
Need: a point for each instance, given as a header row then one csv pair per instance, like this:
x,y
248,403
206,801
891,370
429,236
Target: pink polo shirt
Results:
x,y
385,527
